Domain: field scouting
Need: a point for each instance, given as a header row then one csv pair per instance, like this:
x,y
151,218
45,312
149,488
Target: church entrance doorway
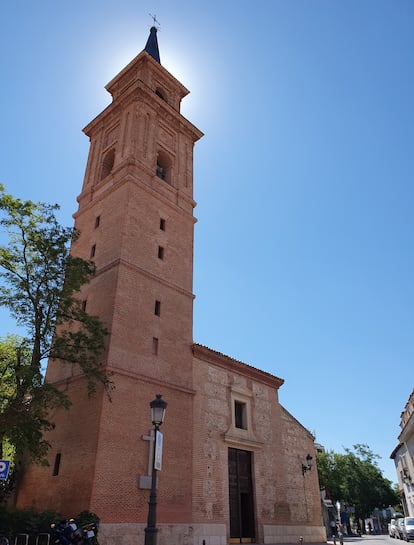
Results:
x,y
242,523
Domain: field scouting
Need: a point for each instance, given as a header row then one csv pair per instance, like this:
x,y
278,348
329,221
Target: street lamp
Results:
x,y
406,476
308,467
158,407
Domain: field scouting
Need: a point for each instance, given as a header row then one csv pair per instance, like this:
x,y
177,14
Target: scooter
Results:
x,y
68,533
89,533
60,534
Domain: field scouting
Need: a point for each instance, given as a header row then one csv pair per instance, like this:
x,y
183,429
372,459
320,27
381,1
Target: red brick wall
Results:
x,y
103,454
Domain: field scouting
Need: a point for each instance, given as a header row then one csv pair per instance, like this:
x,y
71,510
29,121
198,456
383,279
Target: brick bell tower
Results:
x,y
136,222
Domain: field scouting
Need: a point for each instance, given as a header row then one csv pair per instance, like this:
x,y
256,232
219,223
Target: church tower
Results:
x,y
136,223
233,465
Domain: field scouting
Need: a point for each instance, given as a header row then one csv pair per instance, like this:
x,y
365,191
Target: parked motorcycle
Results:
x,y
3,539
90,532
67,532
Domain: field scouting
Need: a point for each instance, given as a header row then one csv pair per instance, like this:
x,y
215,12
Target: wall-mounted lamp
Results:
x,y
308,467
406,476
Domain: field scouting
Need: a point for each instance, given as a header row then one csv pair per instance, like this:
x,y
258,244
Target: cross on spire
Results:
x,y
152,42
154,18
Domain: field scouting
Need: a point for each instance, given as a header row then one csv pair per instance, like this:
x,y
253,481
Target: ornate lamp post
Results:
x,y
158,407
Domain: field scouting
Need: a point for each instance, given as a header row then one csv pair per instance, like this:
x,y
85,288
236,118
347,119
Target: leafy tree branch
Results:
x,y
40,283
355,479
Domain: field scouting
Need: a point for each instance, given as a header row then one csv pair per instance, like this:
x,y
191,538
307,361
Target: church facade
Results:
x,y
233,458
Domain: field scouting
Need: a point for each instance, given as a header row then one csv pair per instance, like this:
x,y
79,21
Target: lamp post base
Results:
x,y
151,536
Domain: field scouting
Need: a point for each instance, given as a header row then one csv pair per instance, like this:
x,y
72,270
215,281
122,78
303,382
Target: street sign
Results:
x,y
158,450
4,469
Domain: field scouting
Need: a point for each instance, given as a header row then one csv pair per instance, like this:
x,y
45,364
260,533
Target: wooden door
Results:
x,y
242,523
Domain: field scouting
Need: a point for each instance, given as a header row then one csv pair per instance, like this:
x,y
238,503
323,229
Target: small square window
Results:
x,y
162,224
157,308
160,252
93,250
155,346
240,417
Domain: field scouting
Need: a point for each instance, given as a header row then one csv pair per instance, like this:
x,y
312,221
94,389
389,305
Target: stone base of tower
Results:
x,y
206,534
293,533
168,534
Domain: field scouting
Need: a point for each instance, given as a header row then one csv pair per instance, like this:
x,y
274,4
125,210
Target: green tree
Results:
x,y
25,400
40,285
355,479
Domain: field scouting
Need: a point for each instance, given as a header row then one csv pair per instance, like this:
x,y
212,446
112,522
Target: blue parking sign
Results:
x,y
4,469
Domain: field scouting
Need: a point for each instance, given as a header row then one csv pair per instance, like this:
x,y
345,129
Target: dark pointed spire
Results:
x,y
152,45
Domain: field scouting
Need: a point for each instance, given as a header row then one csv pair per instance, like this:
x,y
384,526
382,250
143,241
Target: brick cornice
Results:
x,y
139,91
121,262
63,383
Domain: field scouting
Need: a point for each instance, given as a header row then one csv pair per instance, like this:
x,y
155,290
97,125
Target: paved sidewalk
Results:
x,y
376,539
346,539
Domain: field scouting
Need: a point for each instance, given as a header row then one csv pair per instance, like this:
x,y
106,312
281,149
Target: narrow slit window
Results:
x,y
84,305
57,464
162,224
160,252
155,346
240,420
157,308
97,221
93,250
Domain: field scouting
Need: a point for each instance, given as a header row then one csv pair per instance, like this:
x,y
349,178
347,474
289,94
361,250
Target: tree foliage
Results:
x,y
25,399
40,285
355,479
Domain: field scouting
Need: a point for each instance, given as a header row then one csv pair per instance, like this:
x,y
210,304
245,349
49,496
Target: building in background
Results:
x,y
403,456
234,464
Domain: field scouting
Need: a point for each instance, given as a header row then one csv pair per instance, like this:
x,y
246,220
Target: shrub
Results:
x,y
86,517
28,521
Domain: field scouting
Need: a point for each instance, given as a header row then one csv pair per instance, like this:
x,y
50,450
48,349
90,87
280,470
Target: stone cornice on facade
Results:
x,y
242,443
217,358
396,450
407,418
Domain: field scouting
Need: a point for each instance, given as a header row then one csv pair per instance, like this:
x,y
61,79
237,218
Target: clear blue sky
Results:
x,y
304,178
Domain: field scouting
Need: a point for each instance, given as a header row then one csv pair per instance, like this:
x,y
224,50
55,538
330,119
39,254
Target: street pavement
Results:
x,y
376,539
381,539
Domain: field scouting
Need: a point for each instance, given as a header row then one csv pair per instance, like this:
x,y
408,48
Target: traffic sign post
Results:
x,y
4,469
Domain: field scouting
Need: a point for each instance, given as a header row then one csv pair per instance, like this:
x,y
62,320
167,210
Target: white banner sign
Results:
x,y
158,450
